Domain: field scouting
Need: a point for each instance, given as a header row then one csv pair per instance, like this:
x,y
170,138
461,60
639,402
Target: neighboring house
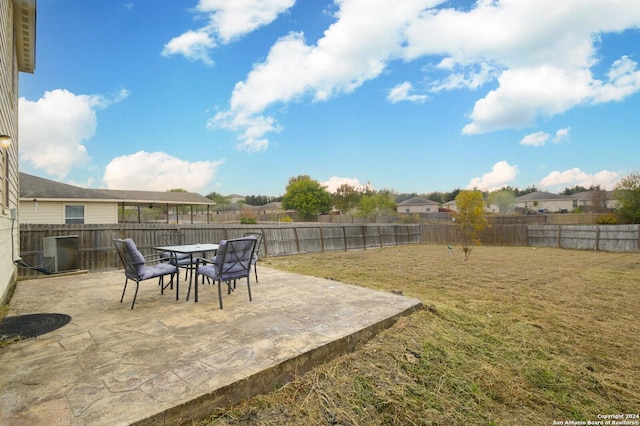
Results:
x,y
273,207
488,208
418,205
594,201
544,202
45,201
557,203
17,54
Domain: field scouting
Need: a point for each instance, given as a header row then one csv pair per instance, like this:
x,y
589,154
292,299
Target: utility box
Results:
x,y
61,253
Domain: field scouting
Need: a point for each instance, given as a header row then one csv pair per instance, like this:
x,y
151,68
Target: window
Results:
x,y
73,214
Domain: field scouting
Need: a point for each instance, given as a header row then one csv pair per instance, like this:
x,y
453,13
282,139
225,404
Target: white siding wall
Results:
x,y
420,208
8,160
52,212
550,205
96,213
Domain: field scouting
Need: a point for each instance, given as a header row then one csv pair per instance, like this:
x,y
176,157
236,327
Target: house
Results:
x,y
546,202
594,201
48,202
418,205
488,208
17,54
274,207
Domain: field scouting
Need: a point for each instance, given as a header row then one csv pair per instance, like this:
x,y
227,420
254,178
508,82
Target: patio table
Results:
x,y
190,249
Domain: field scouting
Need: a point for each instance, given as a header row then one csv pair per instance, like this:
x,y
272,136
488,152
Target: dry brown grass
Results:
x,y
513,336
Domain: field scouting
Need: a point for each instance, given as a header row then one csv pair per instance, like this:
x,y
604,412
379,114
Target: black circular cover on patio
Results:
x,y
32,325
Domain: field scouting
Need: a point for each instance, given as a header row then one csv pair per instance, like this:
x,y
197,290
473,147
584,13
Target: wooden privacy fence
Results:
x,y
623,238
96,250
495,235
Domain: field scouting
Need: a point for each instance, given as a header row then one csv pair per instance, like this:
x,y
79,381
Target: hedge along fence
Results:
x,y
622,238
96,250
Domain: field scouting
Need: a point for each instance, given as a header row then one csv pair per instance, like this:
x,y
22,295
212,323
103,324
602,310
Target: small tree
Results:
x,y
374,205
598,200
346,198
307,197
627,192
503,198
218,198
470,219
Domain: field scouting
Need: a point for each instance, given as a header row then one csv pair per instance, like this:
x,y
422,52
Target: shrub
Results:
x,y
607,219
410,218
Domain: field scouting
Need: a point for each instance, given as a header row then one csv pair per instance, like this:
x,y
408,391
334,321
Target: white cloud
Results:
x,y
500,175
542,70
535,70
623,80
540,138
335,182
158,171
54,128
233,19
557,181
535,139
193,45
352,51
227,21
528,93
561,135
402,91
463,77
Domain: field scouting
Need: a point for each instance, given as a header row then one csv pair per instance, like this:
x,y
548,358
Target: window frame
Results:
x,y
71,219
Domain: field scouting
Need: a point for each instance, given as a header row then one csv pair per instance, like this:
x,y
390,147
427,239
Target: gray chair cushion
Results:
x,y
157,271
135,256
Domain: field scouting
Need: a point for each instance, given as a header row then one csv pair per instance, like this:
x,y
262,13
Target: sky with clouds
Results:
x,y
410,95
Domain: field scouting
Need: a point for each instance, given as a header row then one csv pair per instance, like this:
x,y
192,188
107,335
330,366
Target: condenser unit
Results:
x,y
61,253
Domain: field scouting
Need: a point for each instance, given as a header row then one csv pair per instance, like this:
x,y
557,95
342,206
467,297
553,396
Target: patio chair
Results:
x,y
256,252
232,262
140,268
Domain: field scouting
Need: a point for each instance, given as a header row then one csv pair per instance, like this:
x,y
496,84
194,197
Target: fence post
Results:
x,y
344,238
595,248
559,236
363,229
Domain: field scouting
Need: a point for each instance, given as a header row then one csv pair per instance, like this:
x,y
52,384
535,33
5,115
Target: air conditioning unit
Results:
x,y
61,253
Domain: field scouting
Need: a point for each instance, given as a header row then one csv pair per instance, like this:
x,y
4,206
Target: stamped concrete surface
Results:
x,y
172,362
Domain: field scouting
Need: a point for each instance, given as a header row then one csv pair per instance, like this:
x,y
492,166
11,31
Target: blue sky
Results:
x,y
408,95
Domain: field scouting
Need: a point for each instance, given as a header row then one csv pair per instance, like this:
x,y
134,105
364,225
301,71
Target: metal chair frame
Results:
x,y
232,262
133,266
256,253
175,238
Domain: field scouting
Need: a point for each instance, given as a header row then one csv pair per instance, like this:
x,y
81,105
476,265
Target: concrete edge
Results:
x,y
268,380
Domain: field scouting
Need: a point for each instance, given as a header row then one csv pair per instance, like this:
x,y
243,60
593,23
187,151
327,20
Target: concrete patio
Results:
x,y
172,362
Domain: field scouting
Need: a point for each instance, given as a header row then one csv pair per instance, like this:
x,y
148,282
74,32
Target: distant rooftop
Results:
x,y
33,187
